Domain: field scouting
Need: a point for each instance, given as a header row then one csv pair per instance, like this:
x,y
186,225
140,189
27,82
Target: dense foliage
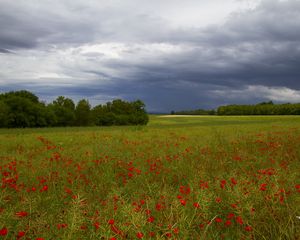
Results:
x,y
265,108
23,109
194,112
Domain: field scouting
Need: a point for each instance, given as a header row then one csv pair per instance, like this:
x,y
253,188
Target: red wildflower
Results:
x,y
233,181
139,235
168,235
151,234
96,225
222,184
230,215
183,202
179,197
237,158
263,187
227,223
111,221
239,220
40,239
203,185
185,190
218,200
158,207
234,205
148,212
218,220
83,227
61,225
176,230
3,231
248,228
150,219
44,188
196,205
297,187
21,214
20,234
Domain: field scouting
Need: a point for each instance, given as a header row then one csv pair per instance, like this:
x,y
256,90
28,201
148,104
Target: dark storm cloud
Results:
x,y
253,56
31,24
4,51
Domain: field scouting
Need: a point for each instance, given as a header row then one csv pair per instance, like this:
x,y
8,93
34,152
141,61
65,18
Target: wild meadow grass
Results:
x,y
177,178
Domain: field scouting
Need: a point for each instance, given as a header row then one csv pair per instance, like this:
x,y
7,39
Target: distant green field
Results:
x,y
205,177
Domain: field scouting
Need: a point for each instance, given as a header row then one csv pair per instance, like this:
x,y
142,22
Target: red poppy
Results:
x,y
248,228
196,205
150,219
139,235
227,223
44,188
20,234
239,220
21,214
3,231
183,202
111,221
96,225
233,181
222,184
263,187
168,235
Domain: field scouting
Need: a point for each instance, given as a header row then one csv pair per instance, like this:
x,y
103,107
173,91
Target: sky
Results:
x,y
171,54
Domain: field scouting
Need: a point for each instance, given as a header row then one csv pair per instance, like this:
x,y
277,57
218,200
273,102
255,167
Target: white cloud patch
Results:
x,y
277,94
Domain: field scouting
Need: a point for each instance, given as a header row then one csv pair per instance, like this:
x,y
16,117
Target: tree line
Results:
x,y
194,112
24,109
263,108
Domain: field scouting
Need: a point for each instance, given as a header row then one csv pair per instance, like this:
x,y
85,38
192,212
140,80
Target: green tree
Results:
x,y
83,113
64,110
4,112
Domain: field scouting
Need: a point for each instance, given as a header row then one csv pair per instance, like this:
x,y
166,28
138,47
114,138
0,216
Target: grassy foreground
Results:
x,y
177,178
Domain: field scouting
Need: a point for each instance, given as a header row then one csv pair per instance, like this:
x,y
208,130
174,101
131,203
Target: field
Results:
x,y
177,178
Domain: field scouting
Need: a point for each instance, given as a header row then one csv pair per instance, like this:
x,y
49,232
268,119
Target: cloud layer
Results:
x,y
167,54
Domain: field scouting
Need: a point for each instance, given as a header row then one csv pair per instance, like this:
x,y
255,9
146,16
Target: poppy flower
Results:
x,y
20,235
183,202
227,223
248,228
111,221
263,187
239,220
139,235
21,214
3,231
150,219
196,205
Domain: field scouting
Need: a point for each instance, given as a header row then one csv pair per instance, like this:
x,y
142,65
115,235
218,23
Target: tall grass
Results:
x,y
198,178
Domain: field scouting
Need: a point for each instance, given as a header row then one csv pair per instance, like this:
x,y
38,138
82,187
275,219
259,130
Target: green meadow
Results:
x,y
204,177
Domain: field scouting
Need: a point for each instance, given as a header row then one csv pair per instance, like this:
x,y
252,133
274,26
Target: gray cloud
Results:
x,y
103,51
